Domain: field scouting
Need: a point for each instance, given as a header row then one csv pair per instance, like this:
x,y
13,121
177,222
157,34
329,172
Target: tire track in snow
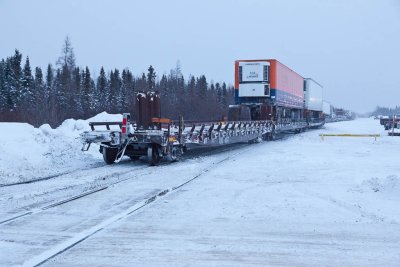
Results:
x,y
352,207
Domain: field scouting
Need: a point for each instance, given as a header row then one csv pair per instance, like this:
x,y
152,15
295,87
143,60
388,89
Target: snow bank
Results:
x,y
28,153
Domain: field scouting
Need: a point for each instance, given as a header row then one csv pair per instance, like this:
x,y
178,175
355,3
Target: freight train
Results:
x,y
270,99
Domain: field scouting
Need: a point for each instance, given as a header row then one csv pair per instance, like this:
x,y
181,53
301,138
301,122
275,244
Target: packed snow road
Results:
x,y
296,202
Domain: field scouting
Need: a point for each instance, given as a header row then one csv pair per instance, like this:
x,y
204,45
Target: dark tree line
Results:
x,y
66,91
386,111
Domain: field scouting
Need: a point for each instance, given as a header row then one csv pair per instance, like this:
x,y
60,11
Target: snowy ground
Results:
x,y
299,201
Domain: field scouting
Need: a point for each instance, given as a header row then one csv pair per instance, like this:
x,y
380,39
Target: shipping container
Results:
x,y
327,109
313,95
268,81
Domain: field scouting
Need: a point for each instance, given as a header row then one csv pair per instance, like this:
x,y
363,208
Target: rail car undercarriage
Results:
x,y
158,138
169,140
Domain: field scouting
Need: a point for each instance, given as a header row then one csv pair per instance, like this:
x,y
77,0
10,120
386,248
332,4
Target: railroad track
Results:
x,y
188,155
49,177
37,210
75,197
145,170
82,236
104,180
105,184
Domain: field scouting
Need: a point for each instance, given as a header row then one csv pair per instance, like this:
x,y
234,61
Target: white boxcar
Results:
x,y
313,95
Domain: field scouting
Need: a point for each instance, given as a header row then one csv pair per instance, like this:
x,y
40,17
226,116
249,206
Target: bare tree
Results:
x,y
67,56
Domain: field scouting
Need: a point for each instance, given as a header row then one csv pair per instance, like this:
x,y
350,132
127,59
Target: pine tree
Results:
x,y
192,100
212,87
102,90
27,87
38,78
127,90
129,84
10,99
180,90
94,98
14,77
164,95
111,94
151,78
142,83
27,79
49,80
39,98
224,95
59,98
202,87
64,92
218,93
87,93
114,95
192,87
77,91
3,93
51,114
123,92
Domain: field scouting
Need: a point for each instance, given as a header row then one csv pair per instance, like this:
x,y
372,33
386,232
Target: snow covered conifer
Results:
x,y
27,87
224,95
3,93
49,79
40,99
124,90
218,92
151,78
129,85
14,77
102,90
115,87
77,91
87,92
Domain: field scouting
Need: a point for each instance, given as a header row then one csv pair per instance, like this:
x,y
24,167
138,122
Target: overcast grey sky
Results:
x,y
352,47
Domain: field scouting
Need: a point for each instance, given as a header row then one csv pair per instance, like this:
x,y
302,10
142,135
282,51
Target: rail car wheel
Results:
x,y
153,155
110,154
